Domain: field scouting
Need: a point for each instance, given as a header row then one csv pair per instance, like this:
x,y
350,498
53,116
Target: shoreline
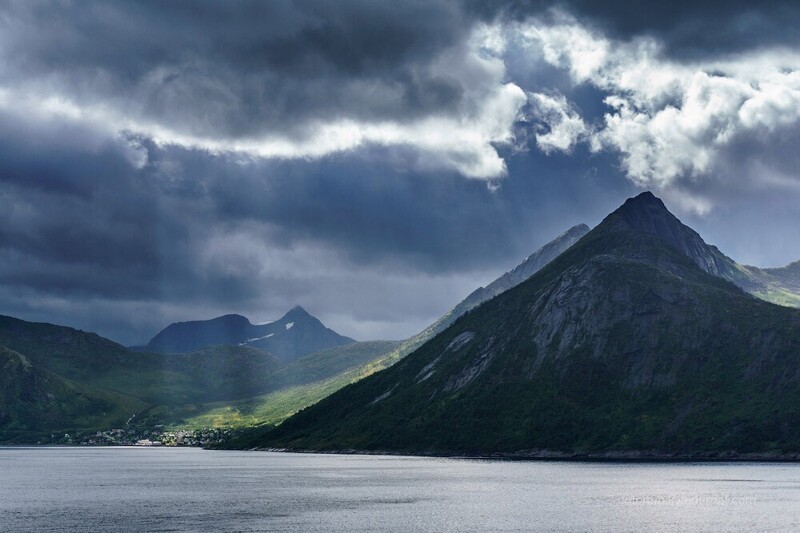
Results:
x,y
633,456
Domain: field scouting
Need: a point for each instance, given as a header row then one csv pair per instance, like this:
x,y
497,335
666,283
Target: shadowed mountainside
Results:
x,y
295,334
532,264
625,342
34,401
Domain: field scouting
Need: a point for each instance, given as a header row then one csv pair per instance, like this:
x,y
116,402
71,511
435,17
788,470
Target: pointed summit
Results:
x,y
297,312
645,197
534,262
646,213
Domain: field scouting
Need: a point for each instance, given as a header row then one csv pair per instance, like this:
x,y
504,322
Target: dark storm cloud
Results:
x,y
92,240
692,29
242,69
106,228
370,209
688,29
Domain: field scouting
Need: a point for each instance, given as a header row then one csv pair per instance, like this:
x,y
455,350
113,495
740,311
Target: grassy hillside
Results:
x,y
99,384
778,285
296,386
95,361
34,401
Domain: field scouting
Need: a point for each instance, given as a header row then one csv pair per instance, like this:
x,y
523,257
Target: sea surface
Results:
x,y
178,489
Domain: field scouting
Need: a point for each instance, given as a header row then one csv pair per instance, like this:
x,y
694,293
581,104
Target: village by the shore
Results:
x,y
157,436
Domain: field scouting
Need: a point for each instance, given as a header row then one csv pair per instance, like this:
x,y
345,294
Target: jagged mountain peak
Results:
x,y
297,313
532,264
576,228
646,213
644,198
547,252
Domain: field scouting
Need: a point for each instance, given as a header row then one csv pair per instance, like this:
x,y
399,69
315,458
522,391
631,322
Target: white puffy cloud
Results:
x,y
560,125
673,123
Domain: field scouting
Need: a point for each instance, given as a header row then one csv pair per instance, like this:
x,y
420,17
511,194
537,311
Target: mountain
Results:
x,y
295,334
630,340
57,379
93,361
532,264
776,285
312,377
286,390
90,359
34,401
308,379
183,337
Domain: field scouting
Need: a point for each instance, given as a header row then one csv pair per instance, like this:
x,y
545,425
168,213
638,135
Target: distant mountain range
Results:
x,y
214,372
57,379
631,340
295,334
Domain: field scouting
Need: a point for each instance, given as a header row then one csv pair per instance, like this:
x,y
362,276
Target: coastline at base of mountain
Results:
x,y
623,456
632,339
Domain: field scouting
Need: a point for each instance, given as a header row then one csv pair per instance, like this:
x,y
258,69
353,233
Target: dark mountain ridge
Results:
x,y
626,341
778,285
94,361
532,264
648,214
295,334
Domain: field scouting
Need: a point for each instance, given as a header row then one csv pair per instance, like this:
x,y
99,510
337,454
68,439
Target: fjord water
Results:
x,y
136,489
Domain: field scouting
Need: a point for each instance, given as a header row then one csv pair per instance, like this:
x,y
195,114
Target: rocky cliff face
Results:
x,y
532,264
648,214
626,341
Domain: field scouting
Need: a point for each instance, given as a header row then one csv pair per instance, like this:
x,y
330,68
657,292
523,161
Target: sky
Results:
x,y
371,161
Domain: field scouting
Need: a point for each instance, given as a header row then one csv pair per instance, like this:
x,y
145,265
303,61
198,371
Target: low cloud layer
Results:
x,y
372,161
